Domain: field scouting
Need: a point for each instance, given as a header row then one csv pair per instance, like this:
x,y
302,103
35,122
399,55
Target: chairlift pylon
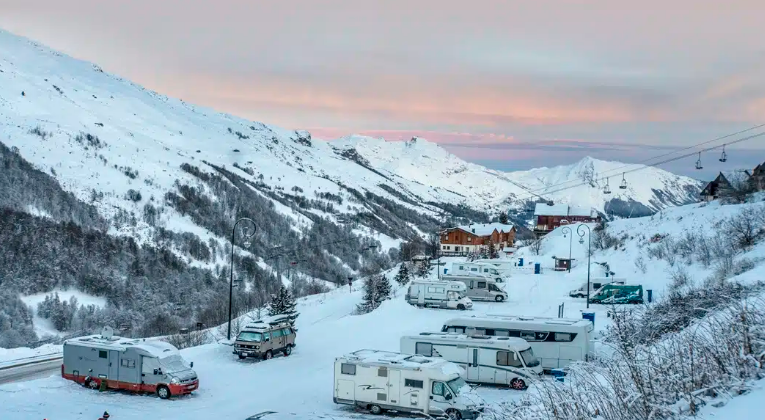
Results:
x,y
623,185
607,189
723,156
698,162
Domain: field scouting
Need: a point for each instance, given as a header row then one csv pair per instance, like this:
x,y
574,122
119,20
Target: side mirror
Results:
x,y
192,364
448,397
156,371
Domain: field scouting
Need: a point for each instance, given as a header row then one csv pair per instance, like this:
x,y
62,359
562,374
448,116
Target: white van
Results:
x,y
476,269
595,284
479,288
557,342
382,380
492,360
438,294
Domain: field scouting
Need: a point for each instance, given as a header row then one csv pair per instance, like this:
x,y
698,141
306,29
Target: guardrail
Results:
x,y
26,361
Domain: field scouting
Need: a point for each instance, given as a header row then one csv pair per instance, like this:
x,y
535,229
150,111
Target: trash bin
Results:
x,y
558,374
649,292
537,268
520,262
590,316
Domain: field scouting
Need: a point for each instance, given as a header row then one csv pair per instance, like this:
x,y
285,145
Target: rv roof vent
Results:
x,y
107,332
426,333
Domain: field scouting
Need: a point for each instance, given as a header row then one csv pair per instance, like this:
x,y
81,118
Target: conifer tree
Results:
x,y
283,303
402,277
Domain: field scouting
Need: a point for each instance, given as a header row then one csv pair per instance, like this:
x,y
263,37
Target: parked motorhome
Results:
x,y
492,360
477,269
138,365
479,288
595,284
382,380
438,294
557,342
264,338
504,266
618,294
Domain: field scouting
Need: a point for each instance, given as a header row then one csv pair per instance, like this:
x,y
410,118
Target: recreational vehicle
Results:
x,y
381,380
438,294
138,365
265,338
595,284
479,288
477,269
557,342
492,360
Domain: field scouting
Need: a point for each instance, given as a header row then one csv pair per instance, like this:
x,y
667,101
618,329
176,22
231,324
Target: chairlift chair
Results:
x,y
607,189
698,162
623,186
723,156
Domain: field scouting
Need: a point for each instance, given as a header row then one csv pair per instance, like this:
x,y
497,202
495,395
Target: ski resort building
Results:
x,y
463,240
728,182
758,177
550,217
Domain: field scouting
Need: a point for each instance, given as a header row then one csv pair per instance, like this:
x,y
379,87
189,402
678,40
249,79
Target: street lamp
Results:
x,y
246,236
580,232
570,240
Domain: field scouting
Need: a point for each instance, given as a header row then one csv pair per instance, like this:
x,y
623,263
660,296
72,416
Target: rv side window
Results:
x,y
562,337
485,270
286,331
412,383
102,354
502,333
489,332
481,284
528,335
462,267
473,269
127,363
460,330
438,388
347,369
382,372
425,349
505,358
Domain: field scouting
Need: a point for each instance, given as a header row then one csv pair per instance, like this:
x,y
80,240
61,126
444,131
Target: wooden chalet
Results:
x,y
727,181
463,240
550,217
758,177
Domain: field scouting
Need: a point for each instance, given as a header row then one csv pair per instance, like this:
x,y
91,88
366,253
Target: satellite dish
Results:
x,y
107,332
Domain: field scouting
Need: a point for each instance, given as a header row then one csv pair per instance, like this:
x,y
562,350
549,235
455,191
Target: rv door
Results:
x,y
394,386
421,295
473,366
151,372
114,365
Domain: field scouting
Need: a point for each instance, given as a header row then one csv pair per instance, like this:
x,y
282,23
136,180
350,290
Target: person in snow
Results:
x,y
105,416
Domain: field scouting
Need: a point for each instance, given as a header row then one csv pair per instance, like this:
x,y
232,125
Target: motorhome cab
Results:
x,y
595,284
381,380
557,342
492,360
477,269
264,338
438,294
138,365
479,288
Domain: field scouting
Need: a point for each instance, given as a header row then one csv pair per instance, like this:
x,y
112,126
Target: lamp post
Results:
x,y
570,241
580,232
247,235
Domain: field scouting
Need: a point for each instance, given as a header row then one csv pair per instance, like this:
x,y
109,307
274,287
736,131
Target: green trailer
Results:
x,y
618,294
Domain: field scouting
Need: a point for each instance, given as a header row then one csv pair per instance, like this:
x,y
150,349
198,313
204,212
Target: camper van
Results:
x,y
138,365
438,294
557,342
595,284
479,288
266,337
618,294
382,380
477,269
491,360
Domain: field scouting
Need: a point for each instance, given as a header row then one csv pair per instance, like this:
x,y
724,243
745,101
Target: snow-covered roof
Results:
x,y
508,343
580,211
380,357
736,177
486,229
542,209
537,320
154,348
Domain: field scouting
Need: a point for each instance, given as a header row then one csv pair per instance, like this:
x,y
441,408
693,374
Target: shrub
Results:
x,y
40,132
133,195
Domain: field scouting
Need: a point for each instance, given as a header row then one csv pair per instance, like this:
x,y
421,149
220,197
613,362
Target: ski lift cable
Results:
x,y
617,169
673,159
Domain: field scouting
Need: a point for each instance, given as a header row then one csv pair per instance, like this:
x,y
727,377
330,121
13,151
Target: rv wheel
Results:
x,y
92,384
518,384
461,307
287,350
499,298
241,356
163,392
268,355
375,409
453,414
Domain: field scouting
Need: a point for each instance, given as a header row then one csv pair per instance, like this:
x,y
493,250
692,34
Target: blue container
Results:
x,y
558,374
520,262
537,268
649,292
446,270
590,316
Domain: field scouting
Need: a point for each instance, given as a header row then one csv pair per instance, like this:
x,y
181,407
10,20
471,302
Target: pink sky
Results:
x,y
636,74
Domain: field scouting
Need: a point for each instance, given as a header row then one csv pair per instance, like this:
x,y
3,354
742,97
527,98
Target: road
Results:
x,y
30,371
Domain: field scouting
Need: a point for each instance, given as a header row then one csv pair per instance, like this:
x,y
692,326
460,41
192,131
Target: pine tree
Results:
x,y
493,250
283,303
402,277
383,289
503,218
423,270
376,290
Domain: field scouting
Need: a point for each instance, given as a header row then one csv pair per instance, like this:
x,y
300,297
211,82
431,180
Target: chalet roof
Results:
x,y
486,229
542,209
736,177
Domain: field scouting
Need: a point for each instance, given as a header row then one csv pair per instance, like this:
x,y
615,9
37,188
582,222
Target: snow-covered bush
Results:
x,y
377,289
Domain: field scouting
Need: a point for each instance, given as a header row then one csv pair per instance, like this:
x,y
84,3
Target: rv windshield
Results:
x,y
457,384
529,358
174,363
250,336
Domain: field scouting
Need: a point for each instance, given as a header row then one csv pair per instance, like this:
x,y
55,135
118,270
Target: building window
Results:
x,y
508,358
348,369
425,349
412,383
470,239
102,354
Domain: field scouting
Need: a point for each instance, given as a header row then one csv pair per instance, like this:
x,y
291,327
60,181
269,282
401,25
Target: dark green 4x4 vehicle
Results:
x,y
618,294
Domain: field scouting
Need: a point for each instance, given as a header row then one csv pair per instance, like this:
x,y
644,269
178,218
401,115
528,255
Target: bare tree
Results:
x,y
745,229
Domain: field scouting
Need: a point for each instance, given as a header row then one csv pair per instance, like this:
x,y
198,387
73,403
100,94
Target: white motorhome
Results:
x,y
382,380
595,284
477,269
504,266
438,294
137,365
557,342
492,360
479,288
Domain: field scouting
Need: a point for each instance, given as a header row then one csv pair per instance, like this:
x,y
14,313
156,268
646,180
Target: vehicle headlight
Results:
x,y
175,381
257,347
